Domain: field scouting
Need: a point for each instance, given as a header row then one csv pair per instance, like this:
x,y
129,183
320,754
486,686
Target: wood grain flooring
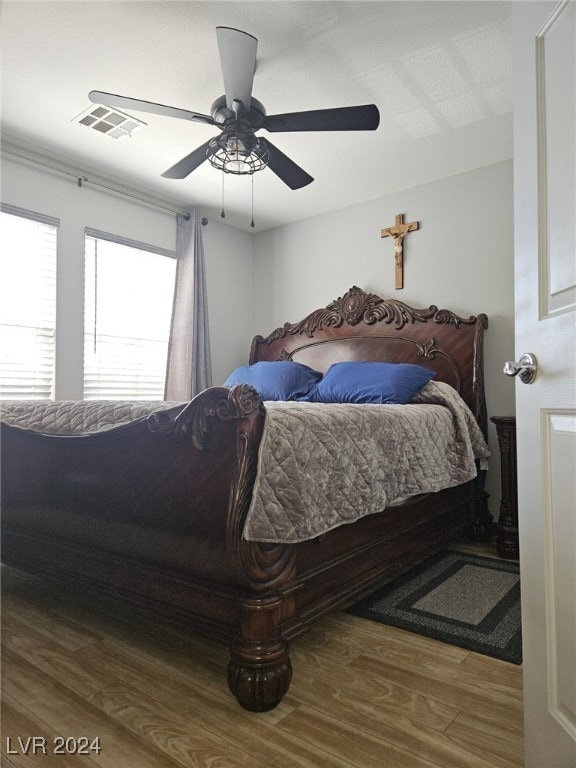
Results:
x,y
363,695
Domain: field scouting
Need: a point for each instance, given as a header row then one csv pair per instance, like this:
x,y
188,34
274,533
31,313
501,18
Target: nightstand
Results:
x,y
507,527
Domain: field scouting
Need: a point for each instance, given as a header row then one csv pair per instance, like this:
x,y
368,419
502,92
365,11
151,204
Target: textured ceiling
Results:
x,y
439,72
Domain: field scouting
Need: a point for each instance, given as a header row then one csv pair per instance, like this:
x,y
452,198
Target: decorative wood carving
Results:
x,y
357,306
447,316
428,349
217,402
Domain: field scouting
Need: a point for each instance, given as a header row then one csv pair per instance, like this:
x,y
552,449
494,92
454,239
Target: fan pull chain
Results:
x,y
252,222
95,293
222,212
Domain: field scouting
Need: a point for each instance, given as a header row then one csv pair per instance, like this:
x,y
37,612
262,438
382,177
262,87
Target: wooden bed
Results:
x,y
152,512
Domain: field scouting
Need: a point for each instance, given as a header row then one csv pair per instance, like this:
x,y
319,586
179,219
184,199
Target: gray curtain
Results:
x,y
189,368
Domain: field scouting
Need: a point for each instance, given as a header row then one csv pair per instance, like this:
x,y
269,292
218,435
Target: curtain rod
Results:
x,y
81,179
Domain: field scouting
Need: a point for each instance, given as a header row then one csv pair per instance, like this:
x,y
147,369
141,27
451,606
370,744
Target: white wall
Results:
x,y
228,254
460,258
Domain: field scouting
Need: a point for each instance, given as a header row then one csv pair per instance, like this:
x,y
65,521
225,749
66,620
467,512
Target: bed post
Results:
x,y
482,528
259,670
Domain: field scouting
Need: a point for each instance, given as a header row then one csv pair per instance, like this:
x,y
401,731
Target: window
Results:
x,y
129,291
27,304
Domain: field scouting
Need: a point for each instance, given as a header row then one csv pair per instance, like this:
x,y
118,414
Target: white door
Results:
x,y
544,38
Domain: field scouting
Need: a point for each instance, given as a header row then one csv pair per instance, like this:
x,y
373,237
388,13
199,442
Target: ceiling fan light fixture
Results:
x,y
237,154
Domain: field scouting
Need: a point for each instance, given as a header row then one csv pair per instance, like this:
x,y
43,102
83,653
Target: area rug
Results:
x,y
462,599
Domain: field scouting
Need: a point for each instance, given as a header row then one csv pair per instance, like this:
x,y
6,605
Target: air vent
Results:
x,y
108,121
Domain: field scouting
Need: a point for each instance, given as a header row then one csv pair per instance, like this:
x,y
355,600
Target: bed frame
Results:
x,y
152,513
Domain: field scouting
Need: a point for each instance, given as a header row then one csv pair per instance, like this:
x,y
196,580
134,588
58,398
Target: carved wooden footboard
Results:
x,y
152,513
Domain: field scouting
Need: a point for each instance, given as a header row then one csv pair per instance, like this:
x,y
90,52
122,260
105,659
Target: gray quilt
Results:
x,y
77,417
321,466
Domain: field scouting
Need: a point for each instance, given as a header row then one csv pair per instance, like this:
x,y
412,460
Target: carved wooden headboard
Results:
x,y
363,326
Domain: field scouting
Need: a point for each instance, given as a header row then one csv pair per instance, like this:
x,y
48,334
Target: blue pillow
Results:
x,y
365,382
280,380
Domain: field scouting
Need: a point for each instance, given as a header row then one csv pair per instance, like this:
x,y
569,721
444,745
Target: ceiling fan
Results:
x,y
239,116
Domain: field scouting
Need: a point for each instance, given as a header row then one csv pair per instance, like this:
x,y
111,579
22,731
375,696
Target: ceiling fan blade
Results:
x,y
188,164
126,102
363,118
286,169
238,62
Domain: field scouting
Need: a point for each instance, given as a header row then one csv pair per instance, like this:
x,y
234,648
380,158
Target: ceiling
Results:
x,y
439,72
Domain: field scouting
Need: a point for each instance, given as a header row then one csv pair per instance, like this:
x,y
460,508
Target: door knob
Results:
x,y
526,368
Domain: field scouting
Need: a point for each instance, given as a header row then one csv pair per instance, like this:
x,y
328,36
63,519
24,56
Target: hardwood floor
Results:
x,y
363,695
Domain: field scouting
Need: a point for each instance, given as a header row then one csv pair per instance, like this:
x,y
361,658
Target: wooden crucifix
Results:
x,y
398,232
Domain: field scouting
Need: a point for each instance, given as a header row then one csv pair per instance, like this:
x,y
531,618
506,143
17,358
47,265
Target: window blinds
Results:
x,y
27,303
128,306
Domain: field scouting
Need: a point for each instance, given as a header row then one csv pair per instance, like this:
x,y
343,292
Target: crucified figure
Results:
x,y
398,248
